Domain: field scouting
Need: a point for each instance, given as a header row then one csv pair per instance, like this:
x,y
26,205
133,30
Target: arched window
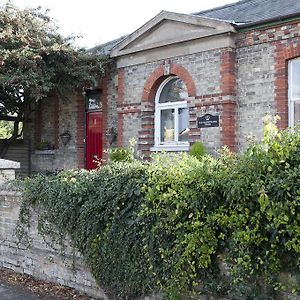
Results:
x,y
294,92
171,116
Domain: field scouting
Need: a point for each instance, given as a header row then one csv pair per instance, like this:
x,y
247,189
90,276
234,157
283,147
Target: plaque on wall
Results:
x,y
208,121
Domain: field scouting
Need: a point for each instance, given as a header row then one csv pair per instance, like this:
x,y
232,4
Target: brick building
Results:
x,y
209,76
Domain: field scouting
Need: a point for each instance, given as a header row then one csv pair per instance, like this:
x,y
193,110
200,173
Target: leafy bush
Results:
x,y
261,212
120,155
227,227
181,192
198,150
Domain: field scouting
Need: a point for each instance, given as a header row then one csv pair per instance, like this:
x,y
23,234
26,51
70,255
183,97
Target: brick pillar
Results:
x,y
228,88
121,91
56,122
104,98
194,133
80,131
146,134
228,125
38,123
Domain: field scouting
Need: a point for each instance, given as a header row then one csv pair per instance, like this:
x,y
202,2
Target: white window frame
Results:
x,y
291,100
158,144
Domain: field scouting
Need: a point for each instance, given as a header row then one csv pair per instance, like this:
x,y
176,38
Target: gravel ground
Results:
x,y
18,285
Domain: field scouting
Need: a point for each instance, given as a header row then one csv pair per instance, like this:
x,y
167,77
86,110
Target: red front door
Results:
x,y
93,139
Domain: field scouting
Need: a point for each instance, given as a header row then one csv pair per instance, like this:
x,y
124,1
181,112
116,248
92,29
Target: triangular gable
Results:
x,y
170,28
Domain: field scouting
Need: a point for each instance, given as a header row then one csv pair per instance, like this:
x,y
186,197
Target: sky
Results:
x,y
101,21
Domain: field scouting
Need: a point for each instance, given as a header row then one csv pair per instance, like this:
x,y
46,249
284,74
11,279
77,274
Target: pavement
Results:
x,y
9,292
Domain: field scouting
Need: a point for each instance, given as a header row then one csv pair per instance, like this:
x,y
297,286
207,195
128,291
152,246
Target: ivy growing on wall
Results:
x,y
227,226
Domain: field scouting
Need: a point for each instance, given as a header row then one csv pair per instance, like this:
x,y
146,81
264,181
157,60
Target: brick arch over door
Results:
x,y
146,134
284,53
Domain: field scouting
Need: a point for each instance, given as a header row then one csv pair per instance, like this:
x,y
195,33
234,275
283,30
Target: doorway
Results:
x,y
94,130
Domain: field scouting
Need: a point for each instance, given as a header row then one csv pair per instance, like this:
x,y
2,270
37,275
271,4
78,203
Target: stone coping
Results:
x,y
9,164
44,152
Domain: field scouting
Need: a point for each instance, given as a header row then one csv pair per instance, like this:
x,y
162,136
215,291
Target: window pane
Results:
x,y
174,90
167,126
296,112
93,98
94,102
295,82
183,124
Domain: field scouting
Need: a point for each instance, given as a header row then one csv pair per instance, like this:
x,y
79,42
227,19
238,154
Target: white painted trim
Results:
x,y
171,148
291,101
290,104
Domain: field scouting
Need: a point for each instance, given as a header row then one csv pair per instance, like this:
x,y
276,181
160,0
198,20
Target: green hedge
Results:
x,y
226,226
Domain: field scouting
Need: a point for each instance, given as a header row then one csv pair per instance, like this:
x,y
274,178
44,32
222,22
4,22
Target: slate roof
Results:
x,y
104,49
247,12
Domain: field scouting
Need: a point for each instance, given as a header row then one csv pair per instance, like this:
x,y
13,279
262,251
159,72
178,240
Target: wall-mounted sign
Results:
x,y
207,121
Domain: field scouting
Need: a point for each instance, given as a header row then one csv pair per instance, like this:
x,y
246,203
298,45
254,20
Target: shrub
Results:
x,y
124,154
181,192
227,227
261,212
120,155
197,150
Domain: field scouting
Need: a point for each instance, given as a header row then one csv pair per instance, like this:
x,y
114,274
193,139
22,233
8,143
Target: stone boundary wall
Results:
x,y
39,260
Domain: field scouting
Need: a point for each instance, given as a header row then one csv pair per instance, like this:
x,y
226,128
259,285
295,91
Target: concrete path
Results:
x,y
8,292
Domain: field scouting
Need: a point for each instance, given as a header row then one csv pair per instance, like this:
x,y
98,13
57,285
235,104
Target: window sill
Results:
x,y
170,148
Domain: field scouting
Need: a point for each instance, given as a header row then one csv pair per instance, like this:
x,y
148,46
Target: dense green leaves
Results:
x,y
228,227
36,61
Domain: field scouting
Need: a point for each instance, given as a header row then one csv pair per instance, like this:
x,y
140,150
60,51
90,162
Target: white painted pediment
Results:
x,y
170,28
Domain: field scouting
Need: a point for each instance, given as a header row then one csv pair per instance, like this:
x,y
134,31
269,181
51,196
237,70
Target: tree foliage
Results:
x,y
6,129
36,61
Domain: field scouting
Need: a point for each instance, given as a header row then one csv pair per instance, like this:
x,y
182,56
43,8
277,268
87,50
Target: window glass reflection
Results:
x,y
167,131
174,90
183,124
295,84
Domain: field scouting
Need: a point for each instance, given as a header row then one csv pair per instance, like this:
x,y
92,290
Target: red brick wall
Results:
x,y
228,88
284,38
121,91
38,124
284,52
103,86
80,131
56,122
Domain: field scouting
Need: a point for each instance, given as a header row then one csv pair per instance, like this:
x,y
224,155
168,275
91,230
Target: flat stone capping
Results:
x,y
8,170
9,164
6,190
44,152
